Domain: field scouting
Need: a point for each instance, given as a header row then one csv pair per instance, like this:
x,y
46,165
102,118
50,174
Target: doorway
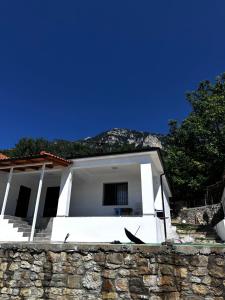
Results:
x,y
23,202
51,201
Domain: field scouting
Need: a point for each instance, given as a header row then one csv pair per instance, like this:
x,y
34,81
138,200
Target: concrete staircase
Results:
x,y
23,226
199,234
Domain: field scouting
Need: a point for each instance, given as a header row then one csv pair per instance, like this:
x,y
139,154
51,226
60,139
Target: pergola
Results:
x,y
41,162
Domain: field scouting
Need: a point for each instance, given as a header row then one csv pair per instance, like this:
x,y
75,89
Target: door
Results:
x,y
23,202
51,201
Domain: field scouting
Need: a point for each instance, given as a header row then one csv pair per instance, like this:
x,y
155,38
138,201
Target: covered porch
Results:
x,y
29,192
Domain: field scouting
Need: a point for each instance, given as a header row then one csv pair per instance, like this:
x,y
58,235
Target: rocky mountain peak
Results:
x,y
121,136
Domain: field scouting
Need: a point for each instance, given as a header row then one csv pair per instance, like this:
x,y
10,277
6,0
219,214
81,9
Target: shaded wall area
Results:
x,y
70,271
203,215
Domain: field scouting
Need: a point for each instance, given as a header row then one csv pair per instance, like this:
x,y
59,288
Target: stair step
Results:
x,y
16,221
41,239
203,234
15,218
26,234
24,230
23,226
42,234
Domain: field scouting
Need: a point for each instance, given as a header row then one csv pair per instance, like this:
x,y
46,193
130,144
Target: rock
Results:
x,y
115,258
13,266
74,281
181,272
167,269
195,279
150,280
200,289
92,280
3,266
173,296
121,285
109,274
206,280
109,296
124,272
25,264
217,271
99,257
166,280
25,292
200,271
136,286
54,257
199,261
107,286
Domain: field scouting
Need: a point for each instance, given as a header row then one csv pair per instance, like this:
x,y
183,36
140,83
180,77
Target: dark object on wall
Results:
x,y
66,237
218,216
23,202
116,242
123,211
206,217
51,201
132,237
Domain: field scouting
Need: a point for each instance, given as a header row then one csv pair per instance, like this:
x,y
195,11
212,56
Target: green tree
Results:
x,y
195,149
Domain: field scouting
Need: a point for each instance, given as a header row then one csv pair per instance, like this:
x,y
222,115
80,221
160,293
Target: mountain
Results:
x,y
112,140
122,136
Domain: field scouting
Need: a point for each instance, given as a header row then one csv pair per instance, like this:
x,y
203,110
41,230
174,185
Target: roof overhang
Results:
x,y
34,162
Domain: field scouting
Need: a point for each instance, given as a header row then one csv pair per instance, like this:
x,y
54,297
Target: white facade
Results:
x,y
81,212
220,227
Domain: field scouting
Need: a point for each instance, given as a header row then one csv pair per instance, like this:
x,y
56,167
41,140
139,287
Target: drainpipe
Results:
x,y
163,205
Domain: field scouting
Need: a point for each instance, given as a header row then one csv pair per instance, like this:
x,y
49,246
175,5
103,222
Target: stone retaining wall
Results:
x,y
199,215
94,272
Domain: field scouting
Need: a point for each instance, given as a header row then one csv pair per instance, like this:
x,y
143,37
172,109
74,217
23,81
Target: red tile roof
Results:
x,y
3,156
43,157
50,155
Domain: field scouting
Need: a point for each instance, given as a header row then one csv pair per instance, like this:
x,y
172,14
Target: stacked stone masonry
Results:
x,y
94,272
198,215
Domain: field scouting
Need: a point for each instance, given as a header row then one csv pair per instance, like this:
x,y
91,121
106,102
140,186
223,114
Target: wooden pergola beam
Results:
x,y
33,162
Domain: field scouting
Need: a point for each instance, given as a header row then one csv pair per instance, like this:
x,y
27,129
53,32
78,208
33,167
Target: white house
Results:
x,y
88,199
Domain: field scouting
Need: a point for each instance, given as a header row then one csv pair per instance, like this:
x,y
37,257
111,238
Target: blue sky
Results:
x,y
71,69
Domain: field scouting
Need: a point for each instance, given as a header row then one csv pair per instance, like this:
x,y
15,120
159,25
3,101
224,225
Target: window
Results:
x,y
115,194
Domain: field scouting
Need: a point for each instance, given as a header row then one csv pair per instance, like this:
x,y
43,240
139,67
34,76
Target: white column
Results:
x,y
37,203
6,192
65,193
148,206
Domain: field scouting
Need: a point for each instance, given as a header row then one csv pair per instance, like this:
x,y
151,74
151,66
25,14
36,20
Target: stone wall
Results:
x,y
94,272
198,215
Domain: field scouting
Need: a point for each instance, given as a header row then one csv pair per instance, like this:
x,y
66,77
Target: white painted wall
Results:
x,y
220,229
103,229
114,160
65,192
160,230
10,233
147,191
87,190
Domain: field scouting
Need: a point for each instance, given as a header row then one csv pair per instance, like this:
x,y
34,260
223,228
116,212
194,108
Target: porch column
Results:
x,y
147,189
37,203
6,192
65,193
